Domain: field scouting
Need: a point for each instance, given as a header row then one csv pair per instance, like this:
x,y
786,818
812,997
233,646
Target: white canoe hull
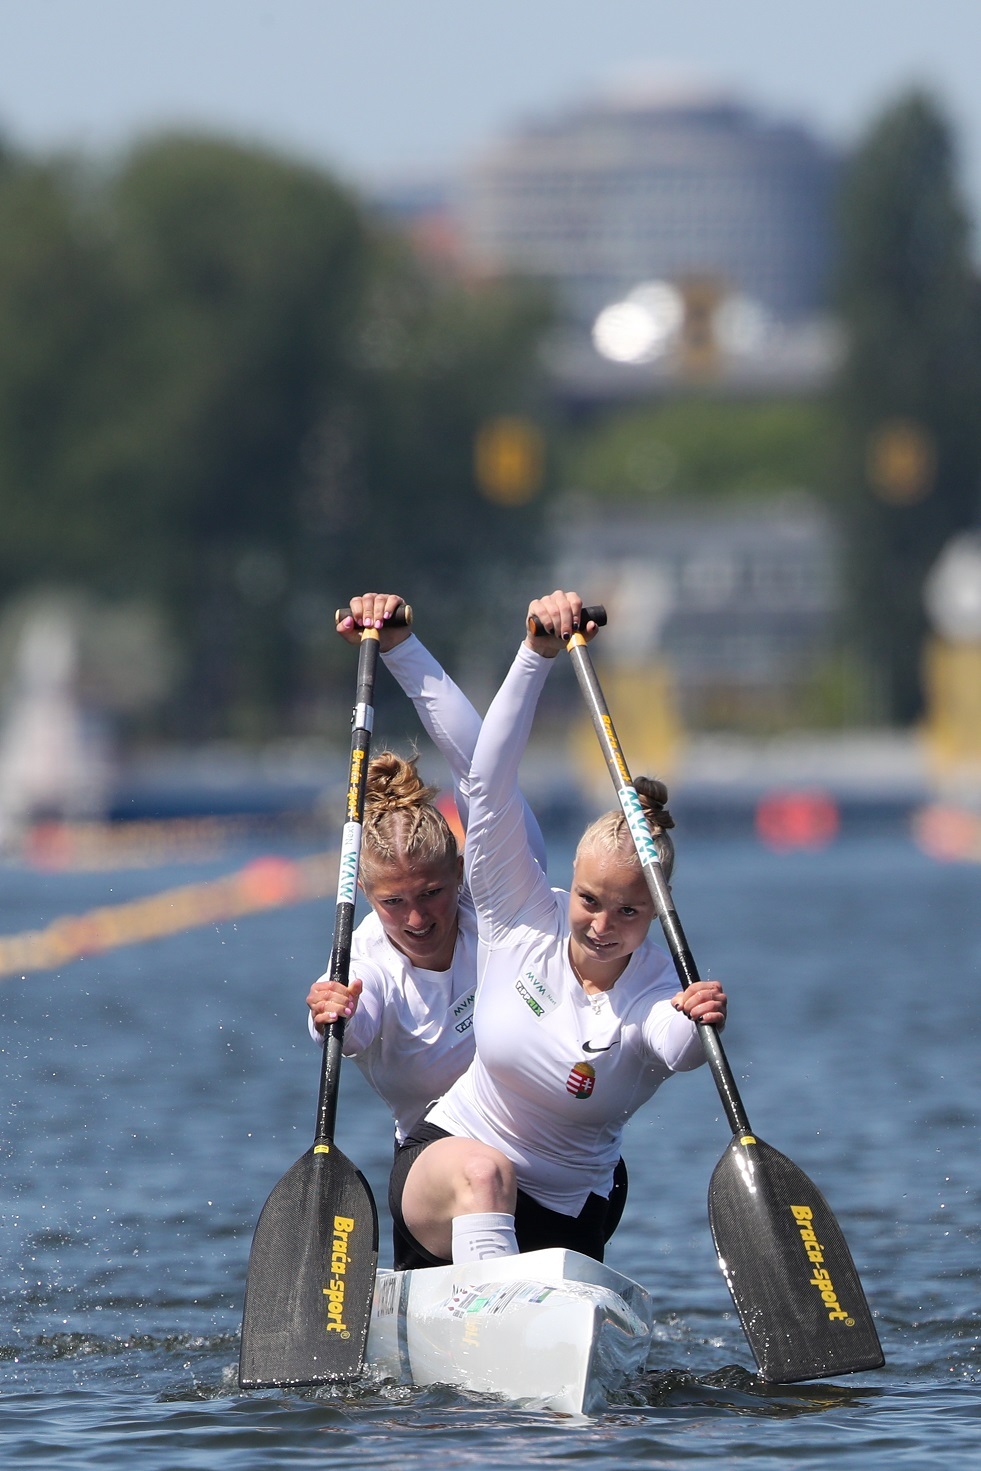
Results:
x,y
552,1329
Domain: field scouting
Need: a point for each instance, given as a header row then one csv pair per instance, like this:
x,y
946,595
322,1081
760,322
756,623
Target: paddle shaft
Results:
x,y
347,876
653,873
311,1276
785,1260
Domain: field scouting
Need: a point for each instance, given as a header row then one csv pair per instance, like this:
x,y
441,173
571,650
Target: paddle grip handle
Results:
x,y
591,613
401,618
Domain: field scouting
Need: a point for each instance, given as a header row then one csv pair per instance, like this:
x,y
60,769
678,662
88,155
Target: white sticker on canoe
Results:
x,y
494,1297
535,994
387,1285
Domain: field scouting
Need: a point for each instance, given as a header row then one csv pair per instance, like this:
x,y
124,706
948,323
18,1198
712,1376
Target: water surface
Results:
x,y
153,1095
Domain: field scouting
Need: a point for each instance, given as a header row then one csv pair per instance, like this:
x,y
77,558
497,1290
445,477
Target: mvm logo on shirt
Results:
x,y
463,1014
535,994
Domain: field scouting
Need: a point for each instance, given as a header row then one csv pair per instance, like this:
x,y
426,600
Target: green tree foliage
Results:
x,y
226,389
394,495
242,277
909,398
59,310
701,449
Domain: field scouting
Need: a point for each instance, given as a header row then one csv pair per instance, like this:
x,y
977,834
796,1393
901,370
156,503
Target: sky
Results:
x,y
380,91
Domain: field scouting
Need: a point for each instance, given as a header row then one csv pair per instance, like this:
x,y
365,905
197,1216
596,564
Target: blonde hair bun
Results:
x,y
610,833
401,823
394,784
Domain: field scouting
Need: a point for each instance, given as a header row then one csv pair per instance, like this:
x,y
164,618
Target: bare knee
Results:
x,y
455,1177
486,1182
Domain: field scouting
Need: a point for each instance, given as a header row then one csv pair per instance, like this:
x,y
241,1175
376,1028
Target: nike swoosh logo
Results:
x,y
588,1046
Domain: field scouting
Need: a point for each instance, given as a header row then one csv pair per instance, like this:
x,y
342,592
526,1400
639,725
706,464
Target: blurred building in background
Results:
x,y
687,238
688,241
729,612
684,233
54,761
658,184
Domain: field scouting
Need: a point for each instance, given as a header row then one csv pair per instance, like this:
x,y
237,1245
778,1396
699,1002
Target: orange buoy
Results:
x,y
797,819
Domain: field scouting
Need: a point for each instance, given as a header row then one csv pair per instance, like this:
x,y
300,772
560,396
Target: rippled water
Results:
x,y
154,1095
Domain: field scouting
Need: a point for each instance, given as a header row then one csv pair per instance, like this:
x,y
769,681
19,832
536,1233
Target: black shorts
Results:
x,y
535,1226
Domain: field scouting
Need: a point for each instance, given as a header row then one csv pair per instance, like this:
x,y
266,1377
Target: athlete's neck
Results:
x,y
593,975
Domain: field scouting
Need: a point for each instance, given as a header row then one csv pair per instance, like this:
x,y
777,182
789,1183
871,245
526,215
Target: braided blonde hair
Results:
x,y
610,833
400,820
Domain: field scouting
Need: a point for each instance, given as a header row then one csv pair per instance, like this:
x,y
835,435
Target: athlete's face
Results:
x,y
417,905
610,911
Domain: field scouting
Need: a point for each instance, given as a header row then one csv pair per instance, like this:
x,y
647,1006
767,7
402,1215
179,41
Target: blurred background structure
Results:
x,y
677,225
666,341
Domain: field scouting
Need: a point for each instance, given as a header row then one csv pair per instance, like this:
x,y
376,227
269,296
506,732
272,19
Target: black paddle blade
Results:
x,y
311,1276
788,1268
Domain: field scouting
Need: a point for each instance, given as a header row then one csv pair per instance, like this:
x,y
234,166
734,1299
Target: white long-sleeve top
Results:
x,y
452,724
556,1073
411,1034
446,714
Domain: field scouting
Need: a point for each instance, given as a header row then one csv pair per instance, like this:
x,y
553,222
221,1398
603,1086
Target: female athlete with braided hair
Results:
x,y
409,1005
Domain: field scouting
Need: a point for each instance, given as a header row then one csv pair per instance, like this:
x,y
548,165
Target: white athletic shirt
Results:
x,y
452,724
557,1073
411,1034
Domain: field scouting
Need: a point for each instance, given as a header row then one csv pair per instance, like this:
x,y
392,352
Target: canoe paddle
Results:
x,y
782,1253
311,1274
